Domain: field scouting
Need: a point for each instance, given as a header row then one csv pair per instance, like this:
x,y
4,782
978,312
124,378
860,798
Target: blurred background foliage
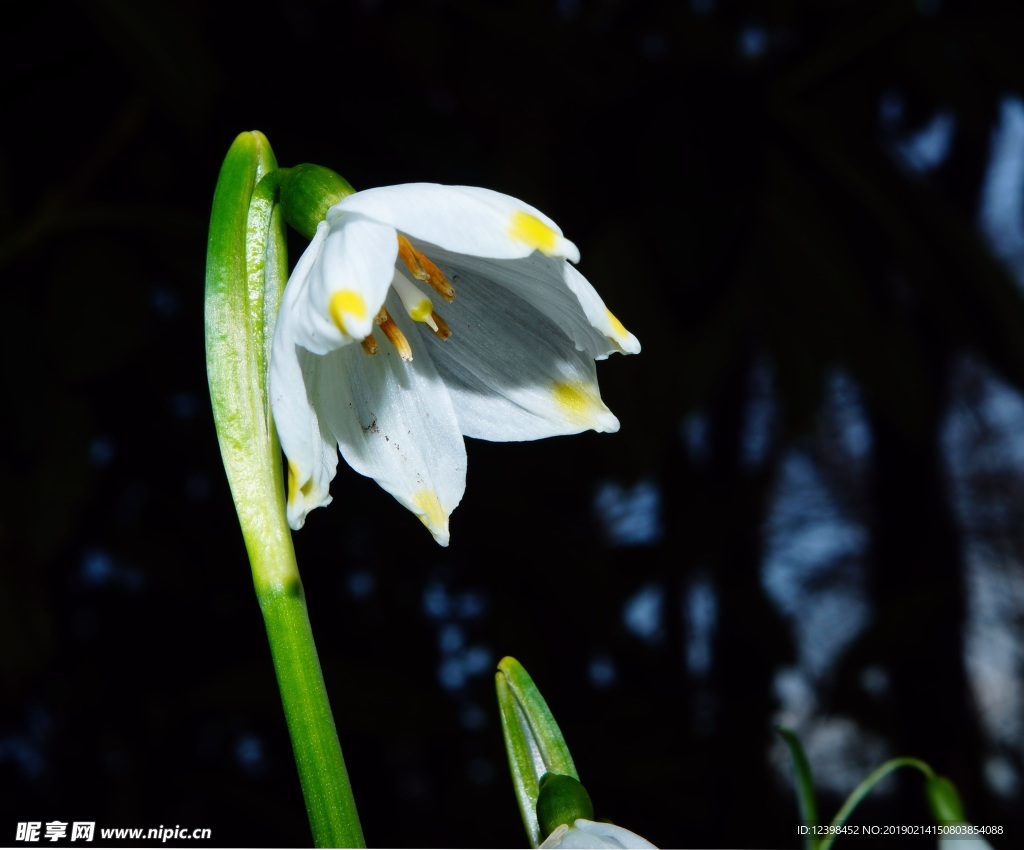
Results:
x,y
811,215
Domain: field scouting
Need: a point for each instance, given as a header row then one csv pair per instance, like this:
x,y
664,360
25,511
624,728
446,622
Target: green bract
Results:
x,y
533,741
556,809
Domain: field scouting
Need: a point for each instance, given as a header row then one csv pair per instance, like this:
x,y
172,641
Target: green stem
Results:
x,y
245,276
329,802
865,788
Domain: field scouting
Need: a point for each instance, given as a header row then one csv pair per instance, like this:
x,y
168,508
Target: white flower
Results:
x,y
374,354
963,841
584,834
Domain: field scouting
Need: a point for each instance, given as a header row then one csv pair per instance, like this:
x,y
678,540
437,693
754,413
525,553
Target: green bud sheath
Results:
x,y
562,799
945,801
533,741
307,192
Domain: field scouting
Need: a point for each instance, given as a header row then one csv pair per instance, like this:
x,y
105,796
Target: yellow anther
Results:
x,y
394,334
369,344
527,228
421,268
346,301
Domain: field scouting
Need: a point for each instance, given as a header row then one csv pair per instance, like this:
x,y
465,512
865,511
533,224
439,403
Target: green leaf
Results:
x,y
804,783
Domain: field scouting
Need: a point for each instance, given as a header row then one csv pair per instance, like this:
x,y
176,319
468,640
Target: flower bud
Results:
x,y
945,801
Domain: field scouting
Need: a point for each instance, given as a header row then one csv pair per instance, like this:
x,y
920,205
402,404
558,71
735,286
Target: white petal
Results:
x,y
295,300
394,422
556,838
336,299
511,372
600,317
558,291
963,842
463,219
312,456
595,835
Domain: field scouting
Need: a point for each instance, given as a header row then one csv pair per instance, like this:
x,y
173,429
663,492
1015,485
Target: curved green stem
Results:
x,y
867,785
245,276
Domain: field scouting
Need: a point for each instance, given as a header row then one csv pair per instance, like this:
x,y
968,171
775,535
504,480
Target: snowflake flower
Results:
x,y
375,356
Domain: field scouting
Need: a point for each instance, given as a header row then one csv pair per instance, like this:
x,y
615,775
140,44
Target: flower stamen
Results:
x,y
394,334
439,326
421,268
369,345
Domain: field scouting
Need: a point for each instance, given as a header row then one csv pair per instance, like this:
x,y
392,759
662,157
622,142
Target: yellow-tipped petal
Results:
x,y
617,327
579,402
431,514
346,301
293,483
531,230
297,491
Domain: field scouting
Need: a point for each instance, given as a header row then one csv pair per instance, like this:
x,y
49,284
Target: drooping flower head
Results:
x,y
420,314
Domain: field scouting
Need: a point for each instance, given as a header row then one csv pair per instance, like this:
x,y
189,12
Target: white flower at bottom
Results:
x,y
422,313
964,841
584,834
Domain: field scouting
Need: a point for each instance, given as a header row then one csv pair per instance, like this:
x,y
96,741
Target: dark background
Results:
x,y
808,212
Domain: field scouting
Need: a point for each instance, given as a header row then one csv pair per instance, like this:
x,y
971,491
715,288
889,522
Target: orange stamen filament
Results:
x,y
394,334
421,268
369,345
440,326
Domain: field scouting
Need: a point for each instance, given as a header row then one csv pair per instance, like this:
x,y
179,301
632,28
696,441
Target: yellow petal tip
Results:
x,y
581,405
532,231
618,328
293,483
431,514
346,302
